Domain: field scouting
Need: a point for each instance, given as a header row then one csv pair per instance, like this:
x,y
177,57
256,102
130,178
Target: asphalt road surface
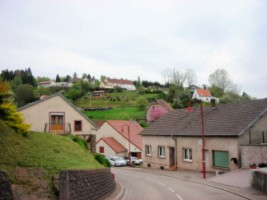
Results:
x,y
139,185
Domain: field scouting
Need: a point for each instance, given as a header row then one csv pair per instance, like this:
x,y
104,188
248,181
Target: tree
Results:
x,y
178,78
24,94
57,79
220,78
190,76
8,111
16,83
142,102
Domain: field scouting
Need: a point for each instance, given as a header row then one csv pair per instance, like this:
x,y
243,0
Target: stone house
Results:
x,y
175,140
55,114
116,137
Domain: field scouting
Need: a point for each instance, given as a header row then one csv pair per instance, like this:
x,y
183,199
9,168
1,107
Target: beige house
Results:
x,y
109,83
56,114
175,140
118,137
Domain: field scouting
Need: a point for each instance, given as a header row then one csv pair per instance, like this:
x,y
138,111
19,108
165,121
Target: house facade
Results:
x,y
118,138
55,114
175,140
109,83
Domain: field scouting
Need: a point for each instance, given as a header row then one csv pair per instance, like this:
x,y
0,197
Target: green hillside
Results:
x,y
42,150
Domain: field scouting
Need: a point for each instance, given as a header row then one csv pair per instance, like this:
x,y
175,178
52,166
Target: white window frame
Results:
x,y
187,154
148,150
161,151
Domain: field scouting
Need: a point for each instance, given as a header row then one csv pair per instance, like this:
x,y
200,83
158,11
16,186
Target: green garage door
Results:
x,y
221,159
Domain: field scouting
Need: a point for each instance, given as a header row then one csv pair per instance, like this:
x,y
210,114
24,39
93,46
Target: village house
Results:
x,y
118,137
121,83
204,95
231,131
48,84
55,114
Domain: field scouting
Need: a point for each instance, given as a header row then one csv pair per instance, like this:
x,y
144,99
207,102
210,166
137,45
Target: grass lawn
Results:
x,y
125,113
42,150
114,100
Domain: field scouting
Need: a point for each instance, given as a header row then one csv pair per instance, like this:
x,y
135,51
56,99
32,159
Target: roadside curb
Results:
x,y
119,192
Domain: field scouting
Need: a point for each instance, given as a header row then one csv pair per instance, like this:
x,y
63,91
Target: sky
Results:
x,y
139,38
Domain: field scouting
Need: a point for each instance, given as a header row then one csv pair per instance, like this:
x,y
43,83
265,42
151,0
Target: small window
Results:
x,y
220,159
148,150
161,151
77,125
101,150
187,154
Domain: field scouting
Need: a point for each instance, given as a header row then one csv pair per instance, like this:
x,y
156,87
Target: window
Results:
x,y
77,125
187,154
101,150
220,159
161,151
148,150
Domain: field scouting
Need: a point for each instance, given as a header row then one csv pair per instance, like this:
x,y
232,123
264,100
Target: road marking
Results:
x,y
179,197
161,183
170,189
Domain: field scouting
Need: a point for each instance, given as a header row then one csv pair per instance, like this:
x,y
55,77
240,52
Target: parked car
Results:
x,y
112,163
117,161
135,161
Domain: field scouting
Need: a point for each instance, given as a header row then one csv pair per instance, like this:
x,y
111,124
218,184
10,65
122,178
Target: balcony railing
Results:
x,y
64,128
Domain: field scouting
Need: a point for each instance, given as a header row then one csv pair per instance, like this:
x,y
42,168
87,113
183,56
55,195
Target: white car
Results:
x,y
135,161
117,161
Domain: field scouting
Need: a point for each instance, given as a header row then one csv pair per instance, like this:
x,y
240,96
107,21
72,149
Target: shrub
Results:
x,y
79,141
261,165
102,160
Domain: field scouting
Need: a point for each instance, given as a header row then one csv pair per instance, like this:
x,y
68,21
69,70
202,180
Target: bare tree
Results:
x,y
190,76
174,76
220,78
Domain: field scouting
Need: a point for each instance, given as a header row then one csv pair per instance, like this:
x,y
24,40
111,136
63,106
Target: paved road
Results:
x,y
138,185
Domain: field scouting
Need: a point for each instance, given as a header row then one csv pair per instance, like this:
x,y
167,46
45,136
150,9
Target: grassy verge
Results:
x,y
126,113
42,150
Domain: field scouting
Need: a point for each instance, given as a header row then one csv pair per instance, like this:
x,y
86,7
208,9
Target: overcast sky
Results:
x,y
127,39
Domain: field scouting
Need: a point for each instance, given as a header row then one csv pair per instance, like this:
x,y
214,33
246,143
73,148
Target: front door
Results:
x,y
57,122
172,159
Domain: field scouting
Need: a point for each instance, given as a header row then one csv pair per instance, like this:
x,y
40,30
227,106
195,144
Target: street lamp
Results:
x,y
129,141
203,136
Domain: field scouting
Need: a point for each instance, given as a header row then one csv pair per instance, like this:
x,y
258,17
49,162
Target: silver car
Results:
x,y
117,161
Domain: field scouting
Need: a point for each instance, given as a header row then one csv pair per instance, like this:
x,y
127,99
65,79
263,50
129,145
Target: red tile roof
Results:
x,y
121,126
114,144
119,81
204,93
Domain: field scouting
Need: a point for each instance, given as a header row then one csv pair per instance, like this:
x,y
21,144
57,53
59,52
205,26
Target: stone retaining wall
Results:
x,y
253,154
86,184
5,188
259,181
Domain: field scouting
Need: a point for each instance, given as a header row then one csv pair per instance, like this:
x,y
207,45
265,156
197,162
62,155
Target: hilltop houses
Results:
x,y
109,83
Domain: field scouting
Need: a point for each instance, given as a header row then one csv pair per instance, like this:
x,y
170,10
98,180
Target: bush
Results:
x,y
102,160
261,165
79,141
